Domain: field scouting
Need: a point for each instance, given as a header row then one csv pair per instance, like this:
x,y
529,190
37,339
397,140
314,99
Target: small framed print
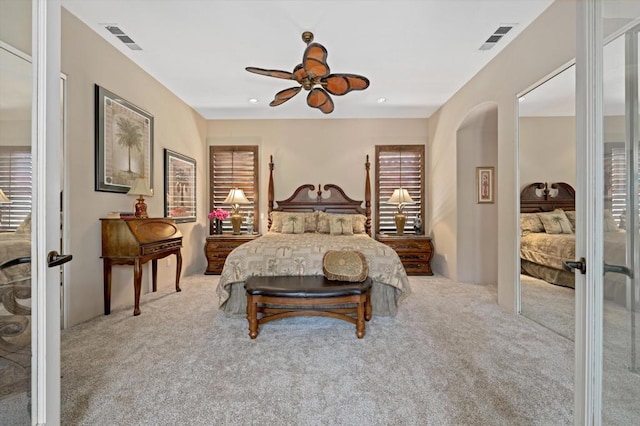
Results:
x,y
485,184
179,187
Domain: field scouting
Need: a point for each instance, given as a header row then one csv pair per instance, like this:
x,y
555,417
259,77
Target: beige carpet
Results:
x,y
452,356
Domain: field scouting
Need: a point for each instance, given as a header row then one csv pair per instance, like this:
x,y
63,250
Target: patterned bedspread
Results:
x,y
301,254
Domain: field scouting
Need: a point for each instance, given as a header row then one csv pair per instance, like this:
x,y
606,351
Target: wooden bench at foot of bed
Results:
x,y
305,296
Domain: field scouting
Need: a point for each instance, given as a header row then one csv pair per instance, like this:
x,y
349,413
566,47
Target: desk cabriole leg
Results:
x,y
154,274
137,285
107,286
178,269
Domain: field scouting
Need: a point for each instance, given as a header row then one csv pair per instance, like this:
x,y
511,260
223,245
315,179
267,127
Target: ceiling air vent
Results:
x,y
128,41
496,36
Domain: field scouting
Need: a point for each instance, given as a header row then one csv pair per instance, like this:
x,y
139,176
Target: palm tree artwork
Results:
x,y
294,221
558,220
129,136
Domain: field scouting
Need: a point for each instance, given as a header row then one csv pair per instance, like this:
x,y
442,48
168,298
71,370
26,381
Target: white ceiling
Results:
x,y
416,54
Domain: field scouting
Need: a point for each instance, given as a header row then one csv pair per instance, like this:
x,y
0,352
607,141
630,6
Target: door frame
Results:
x,y
46,49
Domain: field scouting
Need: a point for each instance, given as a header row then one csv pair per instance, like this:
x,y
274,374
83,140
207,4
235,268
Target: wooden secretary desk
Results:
x,y
135,242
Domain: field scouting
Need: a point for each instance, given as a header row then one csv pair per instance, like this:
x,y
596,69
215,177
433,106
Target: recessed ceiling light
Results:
x,y
382,100
253,100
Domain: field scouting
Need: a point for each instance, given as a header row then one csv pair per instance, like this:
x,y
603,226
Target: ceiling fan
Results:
x,y
313,74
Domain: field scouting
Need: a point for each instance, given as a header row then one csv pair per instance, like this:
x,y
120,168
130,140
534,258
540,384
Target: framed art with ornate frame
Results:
x,y
179,187
124,143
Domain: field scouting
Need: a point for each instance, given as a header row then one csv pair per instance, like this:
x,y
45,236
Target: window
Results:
x,y
15,182
234,167
398,166
615,180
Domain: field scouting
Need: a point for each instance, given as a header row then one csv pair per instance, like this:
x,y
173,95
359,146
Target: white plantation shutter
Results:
x,y
396,166
618,182
15,182
234,167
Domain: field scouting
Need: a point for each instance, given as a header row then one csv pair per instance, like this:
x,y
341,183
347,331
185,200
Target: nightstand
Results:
x,y
415,251
219,246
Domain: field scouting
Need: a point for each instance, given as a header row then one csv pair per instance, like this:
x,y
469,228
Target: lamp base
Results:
x,y
401,219
236,222
141,209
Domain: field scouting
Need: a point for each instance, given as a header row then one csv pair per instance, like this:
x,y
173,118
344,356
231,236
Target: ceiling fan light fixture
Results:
x,y
314,75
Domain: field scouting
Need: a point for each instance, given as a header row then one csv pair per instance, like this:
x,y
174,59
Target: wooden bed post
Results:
x,y
270,195
367,198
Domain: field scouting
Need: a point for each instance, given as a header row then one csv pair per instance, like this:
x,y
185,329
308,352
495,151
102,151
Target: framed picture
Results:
x,y
124,143
179,187
485,184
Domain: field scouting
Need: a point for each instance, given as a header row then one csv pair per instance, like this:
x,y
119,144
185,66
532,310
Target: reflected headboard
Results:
x,y
546,197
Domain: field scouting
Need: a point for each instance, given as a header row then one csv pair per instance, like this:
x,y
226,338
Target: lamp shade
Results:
x,y
3,197
236,196
400,197
140,187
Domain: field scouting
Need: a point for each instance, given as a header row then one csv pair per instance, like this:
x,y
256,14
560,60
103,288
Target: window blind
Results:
x,y
399,166
15,182
234,167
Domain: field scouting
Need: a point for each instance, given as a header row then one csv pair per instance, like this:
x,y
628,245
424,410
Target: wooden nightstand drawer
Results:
x,y
415,251
218,247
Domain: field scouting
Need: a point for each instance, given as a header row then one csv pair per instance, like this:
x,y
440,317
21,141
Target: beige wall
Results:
x,y
547,150
15,24
547,44
87,59
316,151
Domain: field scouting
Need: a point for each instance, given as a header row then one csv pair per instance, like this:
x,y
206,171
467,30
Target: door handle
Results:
x,y
580,265
55,259
618,269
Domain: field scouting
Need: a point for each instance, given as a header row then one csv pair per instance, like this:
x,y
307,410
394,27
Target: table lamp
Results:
x,y
235,198
400,197
140,189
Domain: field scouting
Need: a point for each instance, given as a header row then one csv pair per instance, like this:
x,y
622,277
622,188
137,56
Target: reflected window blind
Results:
x,y
617,182
234,167
15,182
396,166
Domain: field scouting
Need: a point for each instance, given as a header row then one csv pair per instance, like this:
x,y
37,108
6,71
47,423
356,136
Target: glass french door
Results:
x,y
607,386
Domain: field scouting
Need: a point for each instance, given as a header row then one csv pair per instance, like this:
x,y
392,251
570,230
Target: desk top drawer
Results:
x,y
161,246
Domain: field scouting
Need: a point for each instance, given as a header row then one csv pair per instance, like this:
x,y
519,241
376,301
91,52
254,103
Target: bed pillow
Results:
x,y
276,221
530,222
310,221
358,222
571,215
555,222
345,265
25,226
293,224
341,224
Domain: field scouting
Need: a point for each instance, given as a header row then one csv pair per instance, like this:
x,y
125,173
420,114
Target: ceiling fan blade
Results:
x,y
341,84
272,73
299,73
314,61
318,98
284,95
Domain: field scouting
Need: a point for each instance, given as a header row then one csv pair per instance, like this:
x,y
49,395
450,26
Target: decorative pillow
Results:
x,y
608,222
358,220
293,224
530,222
323,223
555,222
571,215
341,224
345,265
276,221
310,221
